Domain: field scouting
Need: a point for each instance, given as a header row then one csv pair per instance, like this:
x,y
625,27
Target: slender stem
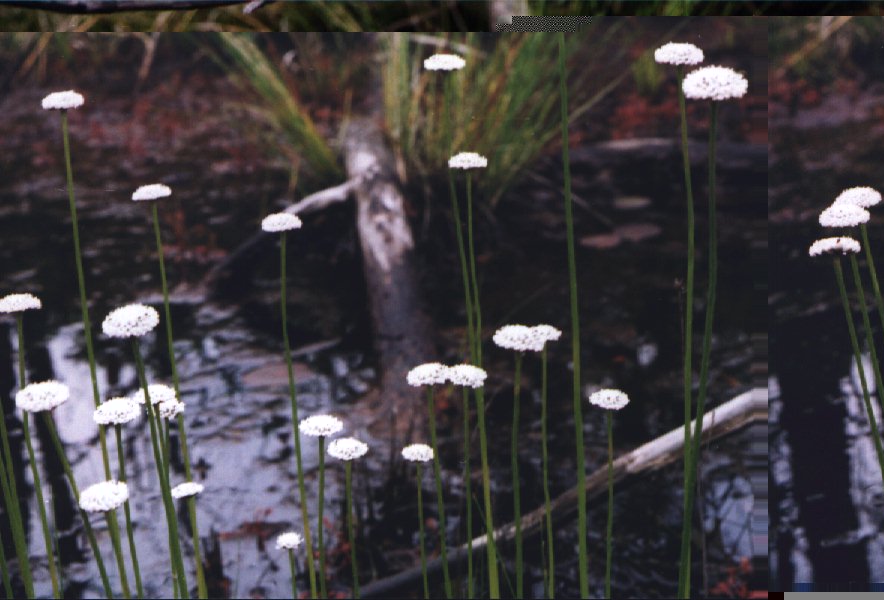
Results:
x,y
474,277
490,548
321,545
514,457
689,287
294,575
440,501
468,492
861,294
87,527
113,526
420,521
684,579
202,590
4,567
609,418
582,564
81,282
873,272
171,518
302,490
351,525
551,566
127,512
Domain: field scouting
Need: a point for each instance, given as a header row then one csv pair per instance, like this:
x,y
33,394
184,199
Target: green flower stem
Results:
x,y
609,419
87,527
41,504
689,288
684,578
551,565
10,488
440,501
879,302
84,306
514,457
583,564
474,277
468,492
319,524
420,521
171,518
302,490
113,526
351,525
139,588
202,590
861,294
4,568
294,575
490,548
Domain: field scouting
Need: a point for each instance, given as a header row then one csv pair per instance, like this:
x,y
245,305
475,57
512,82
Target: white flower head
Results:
x,y
132,320
833,245
547,333
13,303
154,191
678,54
104,496
288,540
714,83
444,62
45,395
844,215
467,160
187,489
280,222
320,425
116,411
347,448
863,197
157,392
609,399
62,100
427,374
170,409
417,453
520,338
467,376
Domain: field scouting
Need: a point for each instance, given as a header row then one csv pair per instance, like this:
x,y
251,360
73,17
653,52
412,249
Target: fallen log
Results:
x,y
731,416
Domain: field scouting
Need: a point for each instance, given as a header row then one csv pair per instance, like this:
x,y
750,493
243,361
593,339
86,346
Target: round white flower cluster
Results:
x,y
432,373
609,399
170,409
280,222
417,453
714,83
104,496
289,540
13,303
467,160
62,100
467,376
116,411
863,197
154,191
157,393
520,338
444,62
844,245
320,425
678,54
132,320
45,395
844,214
187,489
347,449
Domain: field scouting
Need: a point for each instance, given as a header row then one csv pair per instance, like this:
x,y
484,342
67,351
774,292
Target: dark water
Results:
x,y
229,351
825,478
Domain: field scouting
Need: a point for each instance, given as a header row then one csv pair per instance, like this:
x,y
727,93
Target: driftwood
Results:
x,y
731,416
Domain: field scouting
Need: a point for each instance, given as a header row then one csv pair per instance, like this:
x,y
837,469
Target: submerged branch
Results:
x,y
747,408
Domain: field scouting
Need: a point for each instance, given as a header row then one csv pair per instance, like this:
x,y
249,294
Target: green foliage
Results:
x,y
647,74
